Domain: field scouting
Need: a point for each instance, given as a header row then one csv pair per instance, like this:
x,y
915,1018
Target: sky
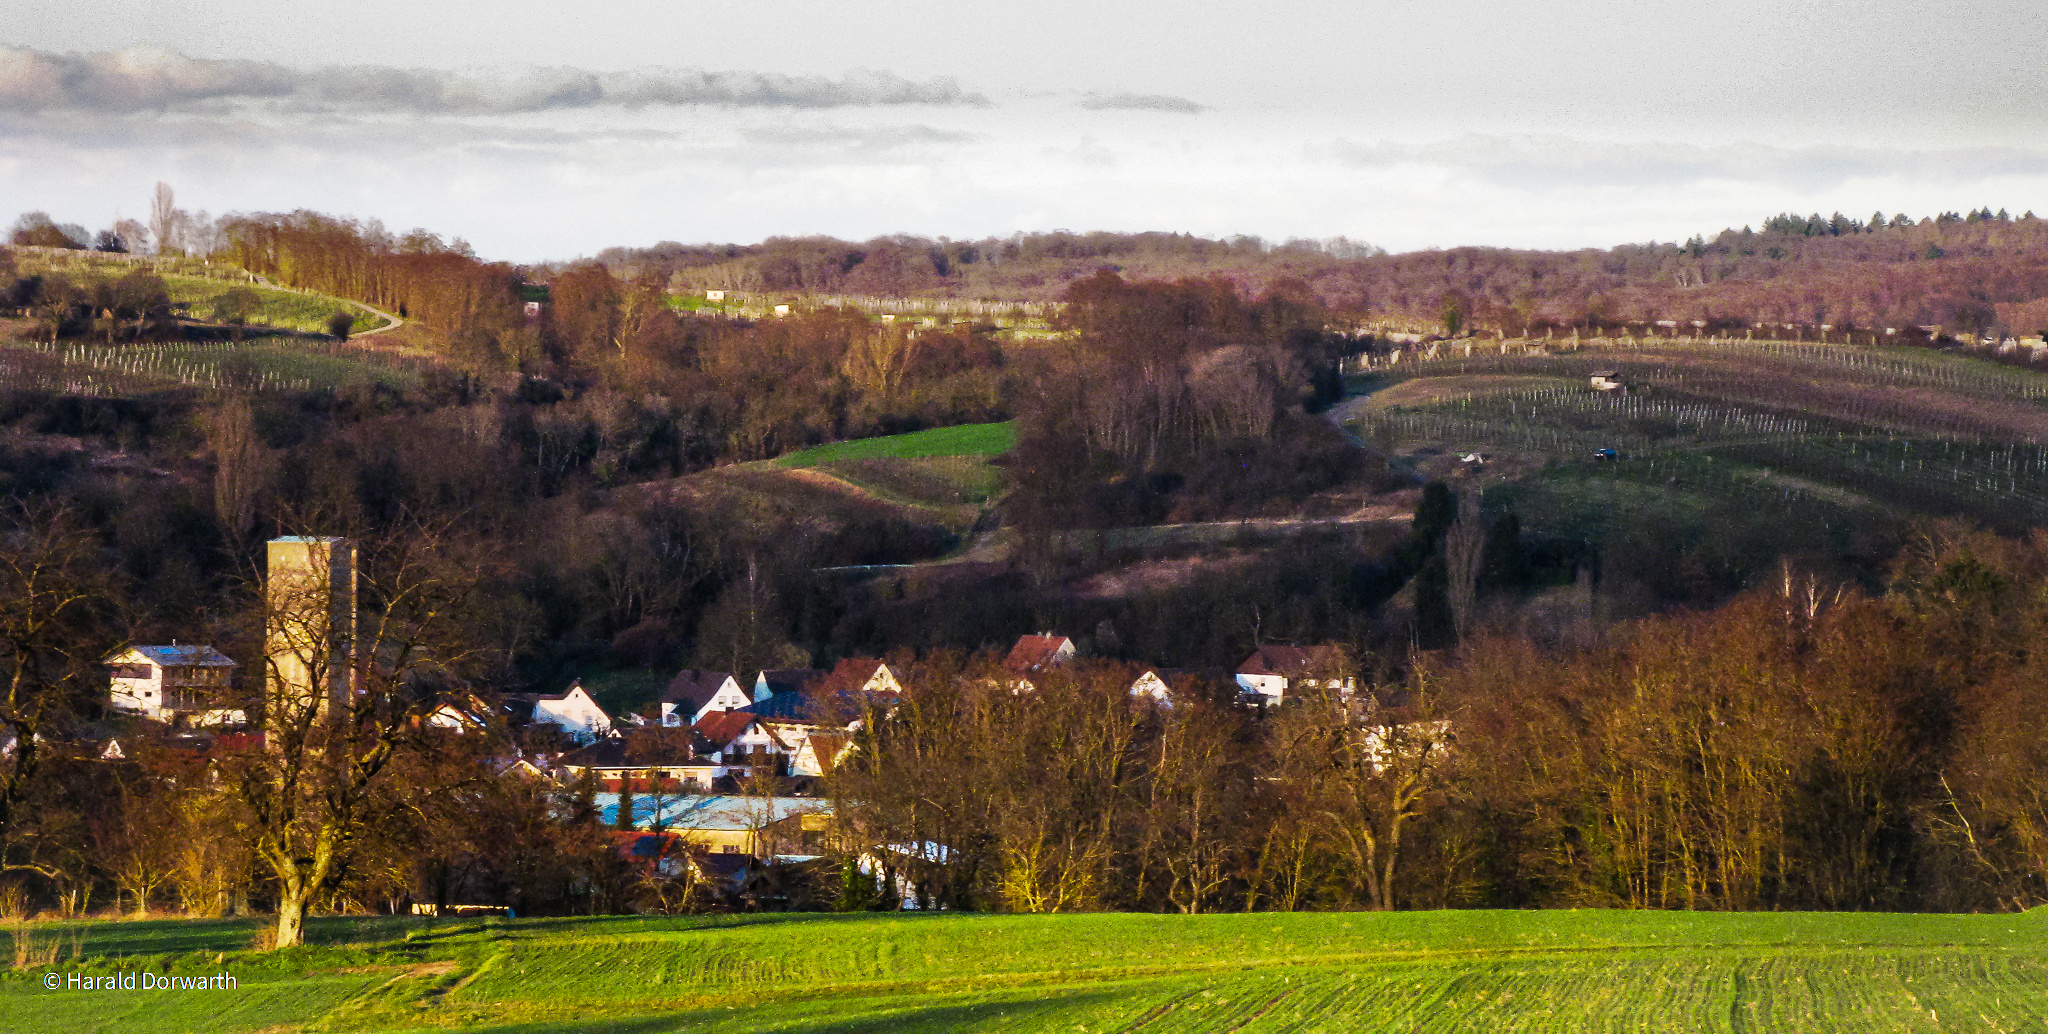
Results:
x,y
547,131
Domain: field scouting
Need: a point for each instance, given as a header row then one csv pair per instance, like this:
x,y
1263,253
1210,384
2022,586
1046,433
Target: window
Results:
x,y
730,849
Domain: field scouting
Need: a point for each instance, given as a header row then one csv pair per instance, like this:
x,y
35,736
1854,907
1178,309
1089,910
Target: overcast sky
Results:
x,y
550,130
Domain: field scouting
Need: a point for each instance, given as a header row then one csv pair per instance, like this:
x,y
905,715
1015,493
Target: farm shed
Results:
x,y
727,823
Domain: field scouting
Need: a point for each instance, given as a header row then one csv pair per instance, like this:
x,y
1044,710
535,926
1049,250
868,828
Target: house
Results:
x,y
166,683
1414,742
742,742
854,676
1035,653
1271,670
574,712
895,867
465,715
651,762
692,694
519,768
1152,682
782,682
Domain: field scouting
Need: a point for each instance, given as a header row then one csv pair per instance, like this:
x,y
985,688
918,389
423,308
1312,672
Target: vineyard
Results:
x,y
260,364
1913,432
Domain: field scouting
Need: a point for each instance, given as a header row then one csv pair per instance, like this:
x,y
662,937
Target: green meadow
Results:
x,y
961,440
1416,971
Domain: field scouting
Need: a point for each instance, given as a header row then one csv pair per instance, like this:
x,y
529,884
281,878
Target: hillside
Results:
x,y
1968,273
1426,971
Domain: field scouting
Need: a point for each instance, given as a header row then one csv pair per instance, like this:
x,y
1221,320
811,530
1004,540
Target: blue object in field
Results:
x,y
1606,454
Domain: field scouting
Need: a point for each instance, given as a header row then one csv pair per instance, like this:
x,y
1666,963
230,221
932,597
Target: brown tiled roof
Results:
x,y
718,729
1033,652
849,675
1278,660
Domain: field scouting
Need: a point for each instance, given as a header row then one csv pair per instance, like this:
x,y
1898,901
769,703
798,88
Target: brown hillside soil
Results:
x,y
1423,391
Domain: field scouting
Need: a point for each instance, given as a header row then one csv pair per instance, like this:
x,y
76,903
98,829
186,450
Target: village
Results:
x,y
719,782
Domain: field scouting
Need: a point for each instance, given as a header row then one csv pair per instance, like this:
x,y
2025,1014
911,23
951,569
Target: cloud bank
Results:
x,y
1144,102
152,80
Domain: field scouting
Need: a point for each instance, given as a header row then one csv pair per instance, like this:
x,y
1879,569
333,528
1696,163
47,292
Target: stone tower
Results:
x,y
309,628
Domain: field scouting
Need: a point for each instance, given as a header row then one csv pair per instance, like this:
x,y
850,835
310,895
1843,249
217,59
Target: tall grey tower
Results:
x,y
309,630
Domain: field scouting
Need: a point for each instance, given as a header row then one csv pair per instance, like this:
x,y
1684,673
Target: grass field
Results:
x,y
963,440
1424,971
196,285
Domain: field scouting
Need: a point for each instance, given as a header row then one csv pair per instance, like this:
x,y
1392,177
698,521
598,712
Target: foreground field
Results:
x,y
1442,971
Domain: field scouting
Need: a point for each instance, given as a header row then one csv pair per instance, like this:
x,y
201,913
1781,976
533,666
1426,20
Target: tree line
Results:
x,y
1805,747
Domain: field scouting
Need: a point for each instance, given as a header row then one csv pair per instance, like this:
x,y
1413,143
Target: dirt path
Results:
x,y
391,322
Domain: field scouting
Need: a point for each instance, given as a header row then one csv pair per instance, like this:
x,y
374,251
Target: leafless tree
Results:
x,y
342,707
163,220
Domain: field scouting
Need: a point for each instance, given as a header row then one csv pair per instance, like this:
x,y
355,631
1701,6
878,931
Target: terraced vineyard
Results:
x,y
1425,971
1918,432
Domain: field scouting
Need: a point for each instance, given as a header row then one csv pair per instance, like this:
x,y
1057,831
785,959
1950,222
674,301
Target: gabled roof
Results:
x,y
850,675
718,729
781,681
1278,660
178,656
1035,652
693,689
732,867
574,688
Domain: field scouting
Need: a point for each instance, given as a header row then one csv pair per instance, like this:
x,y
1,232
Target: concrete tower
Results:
x,y
309,628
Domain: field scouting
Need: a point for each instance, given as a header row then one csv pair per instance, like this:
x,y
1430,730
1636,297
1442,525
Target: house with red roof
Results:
x,y
1272,670
1033,653
854,676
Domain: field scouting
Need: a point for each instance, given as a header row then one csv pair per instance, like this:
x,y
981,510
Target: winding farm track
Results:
x,y
391,322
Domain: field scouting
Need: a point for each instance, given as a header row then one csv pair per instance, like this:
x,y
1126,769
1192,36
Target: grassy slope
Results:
x,y
1442,971
197,285
963,440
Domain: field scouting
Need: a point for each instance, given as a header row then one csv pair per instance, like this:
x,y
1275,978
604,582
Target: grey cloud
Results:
x,y
139,80
1144,102
877,138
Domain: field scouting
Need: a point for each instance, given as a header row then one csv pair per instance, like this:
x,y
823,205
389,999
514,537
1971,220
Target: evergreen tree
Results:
x,y
623,820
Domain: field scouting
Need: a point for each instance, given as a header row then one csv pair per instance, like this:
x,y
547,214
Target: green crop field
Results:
x,y
963,440
1419,971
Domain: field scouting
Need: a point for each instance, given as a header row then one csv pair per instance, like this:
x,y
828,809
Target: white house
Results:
x,y
169,682
574,712
854,676
743,743
1152,684
692,694
1271,670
